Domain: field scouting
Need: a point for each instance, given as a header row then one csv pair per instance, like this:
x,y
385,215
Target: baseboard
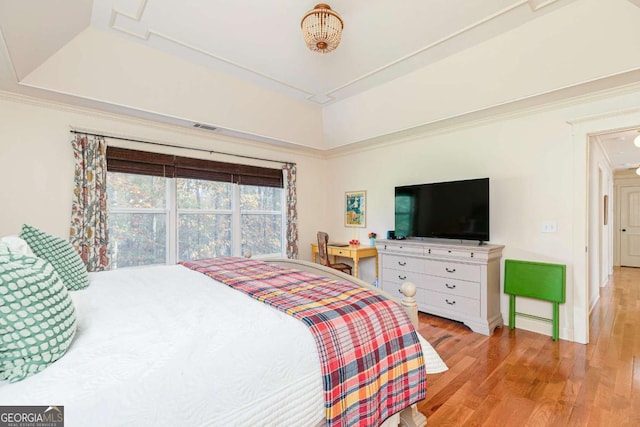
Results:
x,y
594,303
540,327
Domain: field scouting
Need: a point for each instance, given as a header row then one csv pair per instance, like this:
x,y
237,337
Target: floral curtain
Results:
x,y
292,210
88,233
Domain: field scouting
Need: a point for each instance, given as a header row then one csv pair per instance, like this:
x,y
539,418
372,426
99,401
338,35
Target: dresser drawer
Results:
x,y
403,263
447,285
455,303
453,270
344,252
393,289
458,253
401,248
400,276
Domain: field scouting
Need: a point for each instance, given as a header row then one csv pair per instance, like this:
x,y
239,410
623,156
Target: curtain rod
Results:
x,y
161,144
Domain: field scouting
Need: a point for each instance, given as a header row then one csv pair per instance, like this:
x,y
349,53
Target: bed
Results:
x,y
166,345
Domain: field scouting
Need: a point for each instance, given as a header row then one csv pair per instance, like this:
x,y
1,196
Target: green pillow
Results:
x,y
60,254
37,316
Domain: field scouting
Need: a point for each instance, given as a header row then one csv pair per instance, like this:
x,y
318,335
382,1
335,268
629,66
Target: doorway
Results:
x,y
587,215
600,255
629,226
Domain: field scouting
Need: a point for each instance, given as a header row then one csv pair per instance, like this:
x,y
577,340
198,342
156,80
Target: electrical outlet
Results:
x,y
549,227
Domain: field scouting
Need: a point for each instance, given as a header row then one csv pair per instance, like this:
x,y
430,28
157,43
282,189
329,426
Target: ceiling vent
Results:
x,y
205,127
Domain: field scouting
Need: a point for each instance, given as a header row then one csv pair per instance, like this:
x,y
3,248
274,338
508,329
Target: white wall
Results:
x,y
600,256
36,163
123,72
537,171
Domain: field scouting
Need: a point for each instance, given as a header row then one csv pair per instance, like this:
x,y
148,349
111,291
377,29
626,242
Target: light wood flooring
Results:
x,y
520,378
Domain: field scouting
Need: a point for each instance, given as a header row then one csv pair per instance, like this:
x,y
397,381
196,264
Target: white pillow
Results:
x,y
82,306
16,244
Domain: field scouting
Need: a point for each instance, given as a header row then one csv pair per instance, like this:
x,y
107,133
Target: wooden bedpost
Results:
x,y
410,417
408,301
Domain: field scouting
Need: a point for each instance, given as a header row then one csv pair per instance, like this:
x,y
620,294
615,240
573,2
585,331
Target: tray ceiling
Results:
x,y
260,42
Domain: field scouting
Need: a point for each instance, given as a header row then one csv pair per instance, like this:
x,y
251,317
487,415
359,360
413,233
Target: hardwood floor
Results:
x,y
520,378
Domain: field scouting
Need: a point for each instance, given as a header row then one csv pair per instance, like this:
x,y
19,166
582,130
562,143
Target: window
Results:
x,y
138,219
205,219
261,219
163,217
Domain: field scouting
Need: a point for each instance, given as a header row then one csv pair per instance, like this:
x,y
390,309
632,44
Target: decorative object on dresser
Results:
x,y
323,254
456,281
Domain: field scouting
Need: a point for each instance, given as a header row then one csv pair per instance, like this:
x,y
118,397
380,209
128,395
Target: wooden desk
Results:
x,y
351,251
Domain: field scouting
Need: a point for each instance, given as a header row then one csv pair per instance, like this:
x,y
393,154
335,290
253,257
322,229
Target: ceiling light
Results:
x,y
636,141
322,28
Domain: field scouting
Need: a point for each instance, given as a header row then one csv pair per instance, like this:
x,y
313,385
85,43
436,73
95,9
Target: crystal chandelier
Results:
x,y
322,28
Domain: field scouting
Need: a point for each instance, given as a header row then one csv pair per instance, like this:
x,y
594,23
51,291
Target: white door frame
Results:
x,y
582,130
625,184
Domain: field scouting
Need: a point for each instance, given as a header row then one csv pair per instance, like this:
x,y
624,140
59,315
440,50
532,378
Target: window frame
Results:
x,y
170,167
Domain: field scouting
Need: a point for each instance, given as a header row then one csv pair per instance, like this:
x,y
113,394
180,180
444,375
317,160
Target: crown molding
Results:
x,y
157,125
509,110
495,113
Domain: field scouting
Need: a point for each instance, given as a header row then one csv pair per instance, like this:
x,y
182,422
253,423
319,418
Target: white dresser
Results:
x,y
457,281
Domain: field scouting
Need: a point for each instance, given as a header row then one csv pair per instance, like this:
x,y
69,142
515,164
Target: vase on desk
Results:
x,y
372,241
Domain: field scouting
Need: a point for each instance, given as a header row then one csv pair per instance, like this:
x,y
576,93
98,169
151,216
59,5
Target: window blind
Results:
x,y
146,163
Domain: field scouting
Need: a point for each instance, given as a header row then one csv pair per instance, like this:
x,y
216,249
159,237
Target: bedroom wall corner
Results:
x,y
36,169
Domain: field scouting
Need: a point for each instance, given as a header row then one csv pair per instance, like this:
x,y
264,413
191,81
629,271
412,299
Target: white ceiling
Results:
x,y
620,148
261,42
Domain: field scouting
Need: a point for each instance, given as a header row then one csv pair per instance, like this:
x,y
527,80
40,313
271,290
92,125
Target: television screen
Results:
x,y
450,210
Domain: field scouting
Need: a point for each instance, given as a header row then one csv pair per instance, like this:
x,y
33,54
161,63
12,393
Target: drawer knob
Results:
x,y
450,286
402,263
450,302
450,270
401,277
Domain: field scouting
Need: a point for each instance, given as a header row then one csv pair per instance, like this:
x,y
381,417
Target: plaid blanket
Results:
x,y
371,360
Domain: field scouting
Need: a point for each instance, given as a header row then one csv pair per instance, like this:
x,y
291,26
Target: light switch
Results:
x,y
549,227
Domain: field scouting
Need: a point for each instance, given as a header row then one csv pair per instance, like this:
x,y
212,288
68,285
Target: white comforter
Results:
x,y
168,346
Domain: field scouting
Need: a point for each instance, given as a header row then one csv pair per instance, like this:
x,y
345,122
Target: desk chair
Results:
x,y
323,254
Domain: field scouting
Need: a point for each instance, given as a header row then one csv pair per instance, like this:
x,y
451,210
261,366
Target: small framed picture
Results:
x,y
355,209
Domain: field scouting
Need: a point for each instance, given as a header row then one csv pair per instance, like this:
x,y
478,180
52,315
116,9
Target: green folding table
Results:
x,y
536,280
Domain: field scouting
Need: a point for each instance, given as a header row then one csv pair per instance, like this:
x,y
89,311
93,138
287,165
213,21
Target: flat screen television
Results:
x,y
449,210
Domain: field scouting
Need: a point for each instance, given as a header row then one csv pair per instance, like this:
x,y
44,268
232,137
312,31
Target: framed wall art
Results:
x,y
355,213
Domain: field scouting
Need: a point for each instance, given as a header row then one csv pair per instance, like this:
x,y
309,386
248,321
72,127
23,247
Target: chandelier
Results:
x,y
322,28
